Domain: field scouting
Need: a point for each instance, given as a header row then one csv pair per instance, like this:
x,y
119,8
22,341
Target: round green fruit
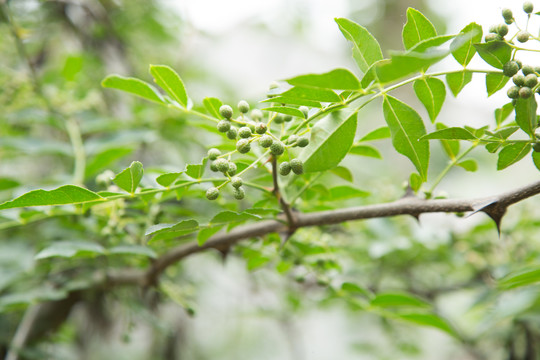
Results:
x,y
491,37
502,29
266,141
523,36
527,69
528,7
244,132
303,141
261,128
224,126
232,133
213,153
239,193
221,165
277,148
232,169
279,119
531,80
292,139
236,182
243,106
226,111
243,146
297,166
212,193
284,168
507,14
513,92
518,79
525,92
510,68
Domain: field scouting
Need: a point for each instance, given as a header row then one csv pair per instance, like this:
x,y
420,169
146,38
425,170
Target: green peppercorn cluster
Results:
x,y
248,129
498,32
525,81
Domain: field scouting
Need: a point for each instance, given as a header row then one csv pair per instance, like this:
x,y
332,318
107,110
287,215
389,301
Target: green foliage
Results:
x,y
100,229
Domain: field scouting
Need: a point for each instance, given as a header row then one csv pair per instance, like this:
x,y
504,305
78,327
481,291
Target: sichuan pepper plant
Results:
x,y
258,191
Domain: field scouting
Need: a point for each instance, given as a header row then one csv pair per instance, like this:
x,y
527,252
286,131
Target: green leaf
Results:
x,y
103,159
286,110
463,46
339,79
526,114
398,300
343,173
331,139
365,150
510,154
312,93
457,81
429,44
520,278
170,81
133,250
345,192
64,195
431,92
402,64
407,128
377,134
430,320
468,165
536,159
495,82
133,86
130,177
503,113
495,53
415,181
227,217
453,133
196,171
293,101
212,105
206,233
166,180
355,289
8,183
366,49
69,249
168,231
417,28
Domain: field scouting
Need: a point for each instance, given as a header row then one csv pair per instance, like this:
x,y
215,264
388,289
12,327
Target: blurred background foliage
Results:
x,y
307,301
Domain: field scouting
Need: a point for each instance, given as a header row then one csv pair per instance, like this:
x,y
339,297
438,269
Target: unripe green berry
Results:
x,y
266,141
243,106
536,146
226,111
213,166
239,193
508,21
256,114
518,79
502,29
232,133
284,168
243,146
494,29
507,14
251,125
513,92
244,132
277,148
522,36
213,153
304,110
261,128
527,69
236,182
224,126
303,141
491,37
297,166
531,80
232,169
510,68
279,119
221,165
212,193
520,64
292,139
287,118
525,92
528,7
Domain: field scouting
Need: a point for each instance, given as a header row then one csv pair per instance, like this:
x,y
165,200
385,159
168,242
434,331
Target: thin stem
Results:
x,y
451,164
